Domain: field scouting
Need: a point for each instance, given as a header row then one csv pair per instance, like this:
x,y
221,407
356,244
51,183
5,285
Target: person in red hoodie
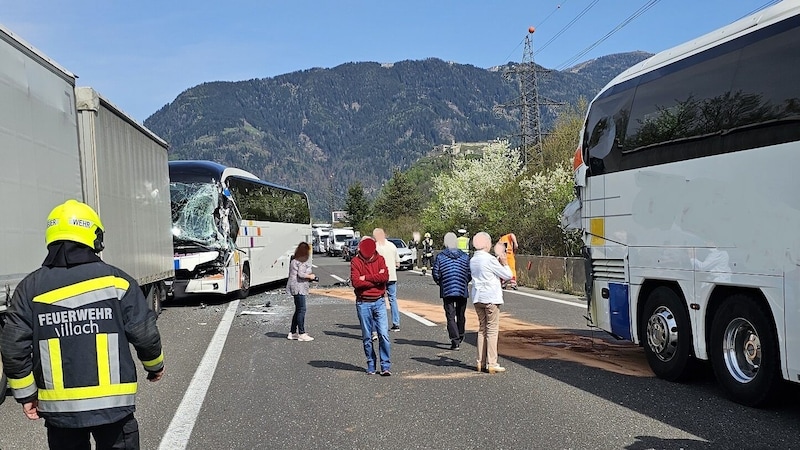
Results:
x,y
369,276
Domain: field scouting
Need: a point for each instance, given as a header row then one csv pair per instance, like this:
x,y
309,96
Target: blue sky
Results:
x,y
142,54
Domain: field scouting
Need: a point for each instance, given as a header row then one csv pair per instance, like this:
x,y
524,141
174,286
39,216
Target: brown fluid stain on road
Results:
x,y
443,376
530,341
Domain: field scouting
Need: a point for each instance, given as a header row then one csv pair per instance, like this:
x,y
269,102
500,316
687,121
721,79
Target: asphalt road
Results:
x,y
269,392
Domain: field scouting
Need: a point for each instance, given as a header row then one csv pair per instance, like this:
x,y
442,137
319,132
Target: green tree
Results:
x,y
559,146
357,206
398,198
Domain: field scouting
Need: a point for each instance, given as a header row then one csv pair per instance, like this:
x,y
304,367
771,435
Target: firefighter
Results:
x,y
427,253
510,242
463,241
66,342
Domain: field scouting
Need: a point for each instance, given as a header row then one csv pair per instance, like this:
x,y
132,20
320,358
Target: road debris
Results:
x,y
256,313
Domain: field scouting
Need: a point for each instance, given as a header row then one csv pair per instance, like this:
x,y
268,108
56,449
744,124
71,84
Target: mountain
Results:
x,y
319,130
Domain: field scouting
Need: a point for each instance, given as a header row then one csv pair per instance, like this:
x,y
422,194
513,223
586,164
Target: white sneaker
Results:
x,y
305,338
293,336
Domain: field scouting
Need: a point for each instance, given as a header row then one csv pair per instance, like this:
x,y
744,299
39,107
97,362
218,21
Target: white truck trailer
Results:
x,y
55,148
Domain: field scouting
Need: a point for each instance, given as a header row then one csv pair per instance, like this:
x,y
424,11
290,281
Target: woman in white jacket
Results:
x,y
487,296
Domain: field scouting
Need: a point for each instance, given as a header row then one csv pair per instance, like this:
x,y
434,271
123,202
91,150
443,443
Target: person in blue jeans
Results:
x,y
369,276
391,257
299,277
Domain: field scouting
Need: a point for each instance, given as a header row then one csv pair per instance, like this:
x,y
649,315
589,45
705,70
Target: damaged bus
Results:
x,y
231,230
686,185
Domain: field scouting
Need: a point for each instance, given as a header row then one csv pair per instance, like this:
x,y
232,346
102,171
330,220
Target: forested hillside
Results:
x,y
319,130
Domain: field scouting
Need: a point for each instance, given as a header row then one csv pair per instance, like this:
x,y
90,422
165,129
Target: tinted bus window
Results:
x,y
605,132
739,95
257,201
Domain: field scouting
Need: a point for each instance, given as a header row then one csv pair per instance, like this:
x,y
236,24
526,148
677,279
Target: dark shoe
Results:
x,y
395,328
455,346
386,373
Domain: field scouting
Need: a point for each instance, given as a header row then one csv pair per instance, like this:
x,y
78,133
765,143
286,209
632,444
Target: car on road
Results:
x,y
406,262
350,249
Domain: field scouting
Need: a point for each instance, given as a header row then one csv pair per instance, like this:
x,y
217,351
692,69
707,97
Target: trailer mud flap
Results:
x,y
619,305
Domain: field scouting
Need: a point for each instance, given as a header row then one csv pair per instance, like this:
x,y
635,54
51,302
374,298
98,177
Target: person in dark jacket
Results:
x,y
451,273
369,276
66,342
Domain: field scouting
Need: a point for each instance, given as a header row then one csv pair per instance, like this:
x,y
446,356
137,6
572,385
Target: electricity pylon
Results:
x,y
528,103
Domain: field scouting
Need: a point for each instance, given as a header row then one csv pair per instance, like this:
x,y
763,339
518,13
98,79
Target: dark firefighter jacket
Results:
x,y
67,335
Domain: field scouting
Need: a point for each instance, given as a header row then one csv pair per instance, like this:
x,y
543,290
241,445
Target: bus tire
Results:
x,y
667,334
744,351
245,283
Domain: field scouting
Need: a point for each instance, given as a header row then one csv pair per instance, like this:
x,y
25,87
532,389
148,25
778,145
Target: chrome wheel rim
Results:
x,y
662,333
741,348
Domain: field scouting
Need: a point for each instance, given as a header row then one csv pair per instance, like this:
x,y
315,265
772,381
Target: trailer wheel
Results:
x,y
667,334
157,298
744,351
3,384
3,379
244,290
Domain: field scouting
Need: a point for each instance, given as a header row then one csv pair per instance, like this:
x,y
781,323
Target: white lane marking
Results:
x,y
417,272
419,319
180,429
337,277
549,299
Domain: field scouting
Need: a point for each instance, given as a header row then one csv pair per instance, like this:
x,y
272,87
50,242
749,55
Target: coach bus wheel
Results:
x,y
245,282
667,334
744,351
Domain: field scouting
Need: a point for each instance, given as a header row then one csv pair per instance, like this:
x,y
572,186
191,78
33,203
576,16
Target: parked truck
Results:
x,y
337,238
59,142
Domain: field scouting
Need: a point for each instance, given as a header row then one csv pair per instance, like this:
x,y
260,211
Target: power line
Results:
x,y
505,60
622,24
567,26
551,14
558,7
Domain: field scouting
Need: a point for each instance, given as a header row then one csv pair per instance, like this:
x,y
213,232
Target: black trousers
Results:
x,y
454,308
122,435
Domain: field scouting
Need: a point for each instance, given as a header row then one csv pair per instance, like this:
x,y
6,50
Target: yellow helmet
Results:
x,y
77,222
427,235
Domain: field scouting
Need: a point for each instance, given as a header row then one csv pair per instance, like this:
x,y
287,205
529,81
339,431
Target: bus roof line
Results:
x,y
741,27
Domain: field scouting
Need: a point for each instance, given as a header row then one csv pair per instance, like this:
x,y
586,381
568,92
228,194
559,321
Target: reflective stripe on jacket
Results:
x,y
67,342
462,242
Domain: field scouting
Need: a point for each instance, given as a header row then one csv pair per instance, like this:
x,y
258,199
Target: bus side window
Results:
x,y
604,132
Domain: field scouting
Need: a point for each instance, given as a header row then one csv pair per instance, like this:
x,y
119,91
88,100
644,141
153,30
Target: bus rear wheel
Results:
x,y
244,289
744,351
667,335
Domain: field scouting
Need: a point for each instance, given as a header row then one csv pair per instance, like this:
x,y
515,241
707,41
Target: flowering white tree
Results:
x,y
459,194
545,195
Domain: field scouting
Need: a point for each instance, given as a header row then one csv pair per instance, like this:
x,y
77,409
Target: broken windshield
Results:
x,y
203,215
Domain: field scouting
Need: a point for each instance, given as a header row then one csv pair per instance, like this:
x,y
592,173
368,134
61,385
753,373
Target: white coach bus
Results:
x,y
231,230
689,198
